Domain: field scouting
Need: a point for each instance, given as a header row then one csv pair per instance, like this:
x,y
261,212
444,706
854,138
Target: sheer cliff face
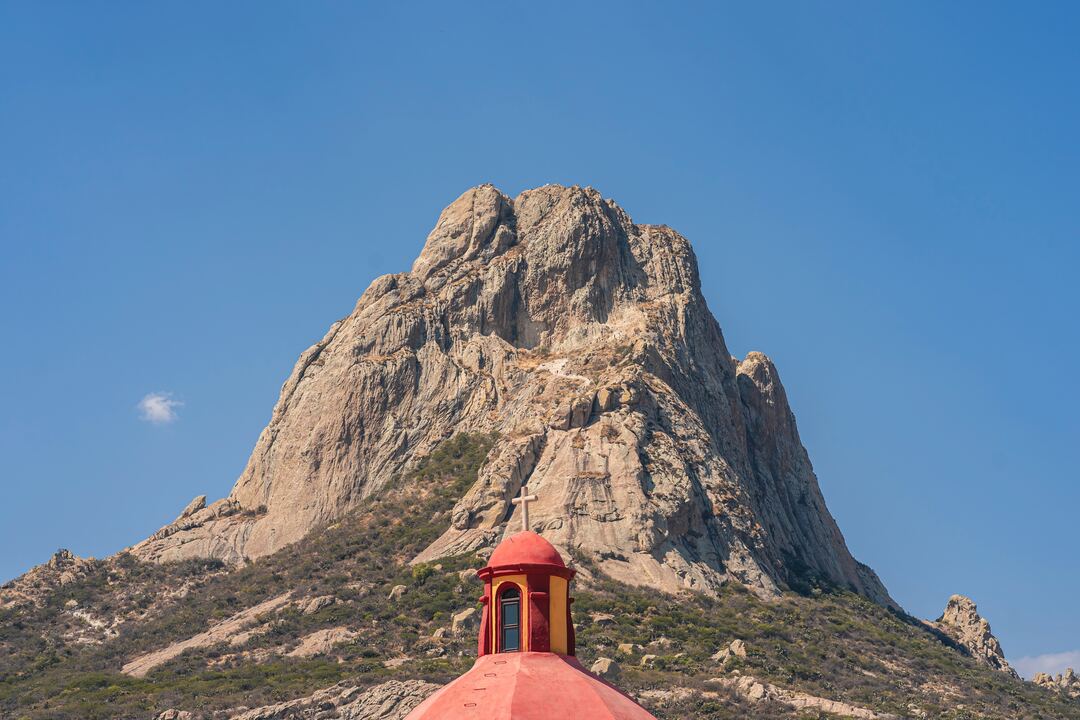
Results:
x,y
584,341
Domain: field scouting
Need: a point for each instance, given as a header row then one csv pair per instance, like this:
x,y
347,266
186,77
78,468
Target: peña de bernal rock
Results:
x,y
541,346
583,340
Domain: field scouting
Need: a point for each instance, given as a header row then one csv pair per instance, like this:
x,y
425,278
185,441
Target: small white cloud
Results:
x,y
158,408
1052,663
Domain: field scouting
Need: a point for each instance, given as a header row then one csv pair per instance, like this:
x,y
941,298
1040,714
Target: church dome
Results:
x,y
525,667
529,686
525,548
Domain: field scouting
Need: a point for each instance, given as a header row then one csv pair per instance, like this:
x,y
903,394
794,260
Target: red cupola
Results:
x,y
525,548
526,598
527,669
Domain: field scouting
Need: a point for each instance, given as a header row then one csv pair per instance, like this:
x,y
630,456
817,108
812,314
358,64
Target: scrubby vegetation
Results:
x,y
836,645
828,643
356,561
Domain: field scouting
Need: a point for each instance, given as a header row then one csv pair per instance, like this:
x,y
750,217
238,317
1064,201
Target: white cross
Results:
x,y
524,501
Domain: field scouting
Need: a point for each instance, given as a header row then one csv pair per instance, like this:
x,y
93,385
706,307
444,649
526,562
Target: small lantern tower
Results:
x,y
526,669
526,595
526,599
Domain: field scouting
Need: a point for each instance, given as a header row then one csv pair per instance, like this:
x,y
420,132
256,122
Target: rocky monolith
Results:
x,y
582,339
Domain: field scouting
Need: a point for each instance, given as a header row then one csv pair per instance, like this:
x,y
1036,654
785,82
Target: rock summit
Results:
x,y
583,341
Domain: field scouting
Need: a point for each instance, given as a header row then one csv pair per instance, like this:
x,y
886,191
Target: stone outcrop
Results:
x,y
961,621
217,531
606,668
321,642
1067,683
174,715
737,649
312,605
391,700
37,584
756,690
583,340
225,631
465,622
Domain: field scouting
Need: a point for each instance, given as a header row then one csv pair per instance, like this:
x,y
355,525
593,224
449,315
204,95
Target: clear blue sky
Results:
x,y
883,197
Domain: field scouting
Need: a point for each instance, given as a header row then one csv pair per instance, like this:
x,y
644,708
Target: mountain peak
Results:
x,y
583,341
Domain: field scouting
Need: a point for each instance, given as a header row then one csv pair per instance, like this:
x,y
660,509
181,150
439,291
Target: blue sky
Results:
x,y
883,197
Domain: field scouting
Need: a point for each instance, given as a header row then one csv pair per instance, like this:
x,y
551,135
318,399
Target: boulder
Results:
x,y
465,621
321,642
752,689
312,605
661,643
606,668
737,649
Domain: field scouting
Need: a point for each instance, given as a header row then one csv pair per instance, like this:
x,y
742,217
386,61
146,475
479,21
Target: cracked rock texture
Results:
x,y
962,622
581,338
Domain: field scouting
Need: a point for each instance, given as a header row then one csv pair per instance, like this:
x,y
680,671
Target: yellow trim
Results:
x,y
558,592
518,580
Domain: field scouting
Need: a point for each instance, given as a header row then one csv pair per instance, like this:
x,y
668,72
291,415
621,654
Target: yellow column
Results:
x,y
559,594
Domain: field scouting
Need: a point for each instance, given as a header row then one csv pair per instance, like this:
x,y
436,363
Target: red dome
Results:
x,y
525,548
529,686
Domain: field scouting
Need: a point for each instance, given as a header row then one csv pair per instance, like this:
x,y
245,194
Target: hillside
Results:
x,y
544,340
64,657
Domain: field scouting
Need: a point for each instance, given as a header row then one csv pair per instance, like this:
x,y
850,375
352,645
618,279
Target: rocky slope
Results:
x,y
37,584
391,700
547,340
581,339
339,624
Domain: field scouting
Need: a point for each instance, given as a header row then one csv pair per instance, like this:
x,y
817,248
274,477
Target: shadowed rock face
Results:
x,y
584,341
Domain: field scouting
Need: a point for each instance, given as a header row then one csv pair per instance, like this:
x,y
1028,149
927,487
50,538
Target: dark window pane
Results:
x,y
511,639
510,619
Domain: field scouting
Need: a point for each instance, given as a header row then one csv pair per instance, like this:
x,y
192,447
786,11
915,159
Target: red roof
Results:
x,y
529,686
525,548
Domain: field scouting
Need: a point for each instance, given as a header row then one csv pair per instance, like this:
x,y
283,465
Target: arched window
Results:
x,y
510,620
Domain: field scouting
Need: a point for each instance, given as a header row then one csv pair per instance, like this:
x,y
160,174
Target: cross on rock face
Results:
x,y
523,500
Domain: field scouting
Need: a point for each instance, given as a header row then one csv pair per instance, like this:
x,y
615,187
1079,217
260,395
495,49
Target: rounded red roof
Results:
x,y
525,548
529,686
